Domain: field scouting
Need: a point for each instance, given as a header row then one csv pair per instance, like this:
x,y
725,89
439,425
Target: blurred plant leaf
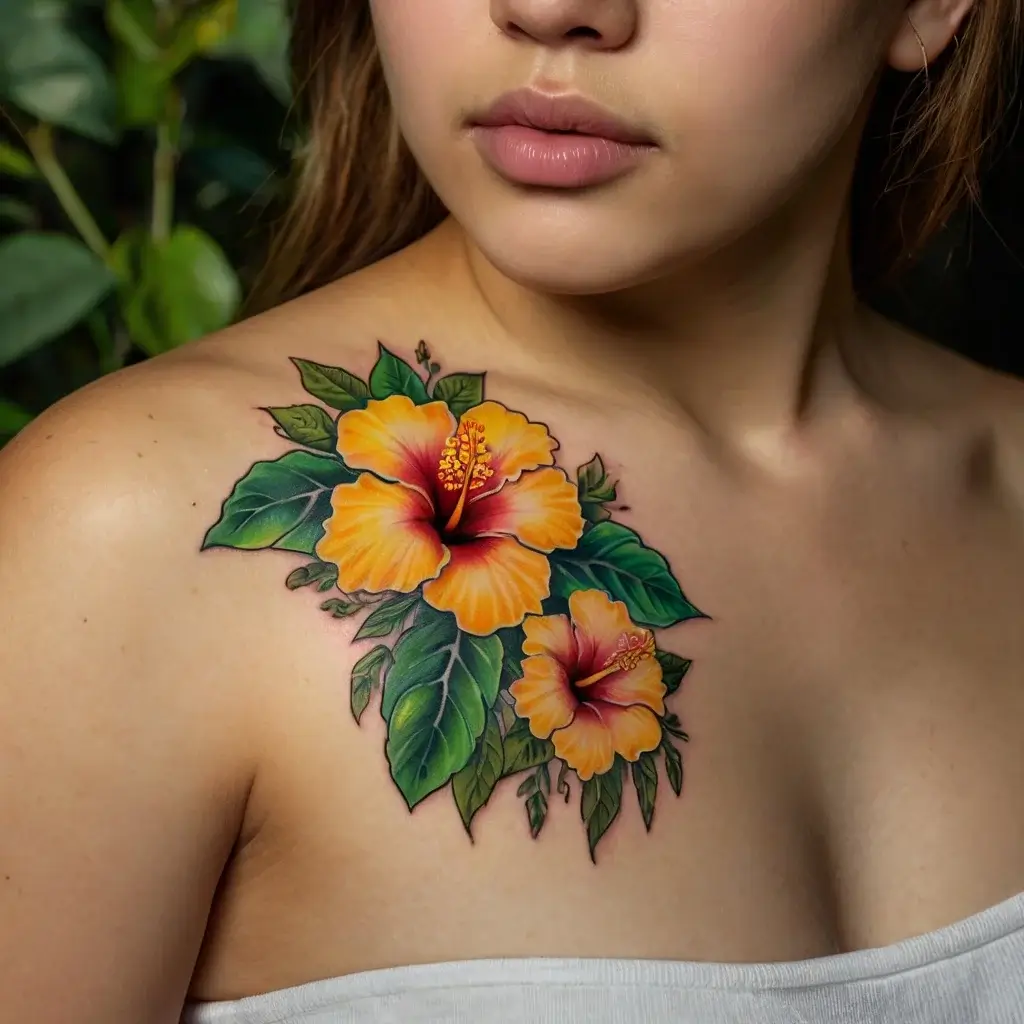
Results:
x,y
12,418
47,284
15,163
51,74
17,212
175,291
202,30
261,36
133,23
240,169
142,90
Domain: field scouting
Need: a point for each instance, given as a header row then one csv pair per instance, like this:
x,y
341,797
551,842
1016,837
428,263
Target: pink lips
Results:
x,y
532,138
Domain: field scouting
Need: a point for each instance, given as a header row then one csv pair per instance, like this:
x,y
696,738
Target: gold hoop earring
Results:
x,y
924,51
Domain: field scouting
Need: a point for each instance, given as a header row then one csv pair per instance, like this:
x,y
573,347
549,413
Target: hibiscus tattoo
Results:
x,y
509,621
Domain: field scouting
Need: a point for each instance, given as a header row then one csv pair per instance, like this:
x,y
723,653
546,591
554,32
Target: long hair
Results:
x,y
358,195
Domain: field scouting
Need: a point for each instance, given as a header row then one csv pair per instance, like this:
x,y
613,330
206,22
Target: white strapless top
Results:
x,y
971,972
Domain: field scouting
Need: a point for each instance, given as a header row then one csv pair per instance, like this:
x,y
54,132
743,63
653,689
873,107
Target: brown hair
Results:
x,y
359,195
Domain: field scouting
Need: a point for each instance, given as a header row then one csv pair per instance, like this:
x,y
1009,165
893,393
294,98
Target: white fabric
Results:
x,y
971,972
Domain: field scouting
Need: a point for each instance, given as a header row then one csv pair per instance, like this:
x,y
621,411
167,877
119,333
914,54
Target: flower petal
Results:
x,y
397,440
490,583
599,622
541,509
543,695
585,744
639,685
381,537
551,635
633,730
515,443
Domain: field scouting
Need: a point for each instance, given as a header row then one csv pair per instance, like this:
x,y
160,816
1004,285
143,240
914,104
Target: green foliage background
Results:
x,y
142,153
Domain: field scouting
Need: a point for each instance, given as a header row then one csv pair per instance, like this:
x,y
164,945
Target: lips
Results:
x,y
565,142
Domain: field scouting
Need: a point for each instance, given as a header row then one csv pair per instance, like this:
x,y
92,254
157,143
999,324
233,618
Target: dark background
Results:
x,y
117,107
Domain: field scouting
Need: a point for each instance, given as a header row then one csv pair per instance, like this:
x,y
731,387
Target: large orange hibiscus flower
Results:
x,y
463,507
591,683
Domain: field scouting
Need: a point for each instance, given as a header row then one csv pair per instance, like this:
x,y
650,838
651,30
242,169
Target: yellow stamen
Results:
x,y
463,466
631,649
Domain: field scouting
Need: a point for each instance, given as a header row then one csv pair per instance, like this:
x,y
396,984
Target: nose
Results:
x,y
591,24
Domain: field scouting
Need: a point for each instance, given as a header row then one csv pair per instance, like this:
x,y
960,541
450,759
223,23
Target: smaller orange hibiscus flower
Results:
x,y
591,683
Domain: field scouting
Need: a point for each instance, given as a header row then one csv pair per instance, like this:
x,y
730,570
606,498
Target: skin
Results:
x,y
844,499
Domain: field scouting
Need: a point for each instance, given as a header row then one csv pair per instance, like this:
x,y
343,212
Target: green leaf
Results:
x,y
323,574
645,781
523,750
261,36
612,558
671,724
17,212
673,668
50,73
600,803
472,787
47,284
388,616
12,418
512,638
340,608
133,24
280,504
436,699
673,766
536,812
306,424
143,90
15,163
461,391
594,489
202,28
394,376
366,677
332,385
176,291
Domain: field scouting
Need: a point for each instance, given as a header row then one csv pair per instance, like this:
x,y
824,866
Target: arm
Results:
x,y
122,775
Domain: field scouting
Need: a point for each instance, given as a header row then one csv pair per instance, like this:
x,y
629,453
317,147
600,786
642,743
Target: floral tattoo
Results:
x,y
514,616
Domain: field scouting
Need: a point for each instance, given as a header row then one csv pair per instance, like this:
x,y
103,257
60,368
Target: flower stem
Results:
x,y
40,145
163,183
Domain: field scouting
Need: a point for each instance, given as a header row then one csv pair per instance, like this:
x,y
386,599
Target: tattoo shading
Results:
x,y
515,618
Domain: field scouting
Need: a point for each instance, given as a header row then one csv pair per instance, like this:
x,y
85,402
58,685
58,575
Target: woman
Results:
x,y
651,645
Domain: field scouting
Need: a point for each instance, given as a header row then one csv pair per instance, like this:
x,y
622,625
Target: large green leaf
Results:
x,y
47,284
394,376
175,291
472,787
600,803
50,73
280,504
436,700
461,391
612,558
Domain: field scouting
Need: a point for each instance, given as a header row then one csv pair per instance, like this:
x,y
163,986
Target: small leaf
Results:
x,y
175,291
366,677
563,783
612,558
394,376
316,572
472,787
12,418
600,803
387,616
512,638
47,284
593,482
673,668
461,391
16,163
527,786
673,766
536,812
333,386
645,781
436,702
671,724
523,750
280,504
306,424
339,608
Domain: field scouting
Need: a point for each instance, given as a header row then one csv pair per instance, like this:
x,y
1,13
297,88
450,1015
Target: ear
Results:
x,y
936,22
